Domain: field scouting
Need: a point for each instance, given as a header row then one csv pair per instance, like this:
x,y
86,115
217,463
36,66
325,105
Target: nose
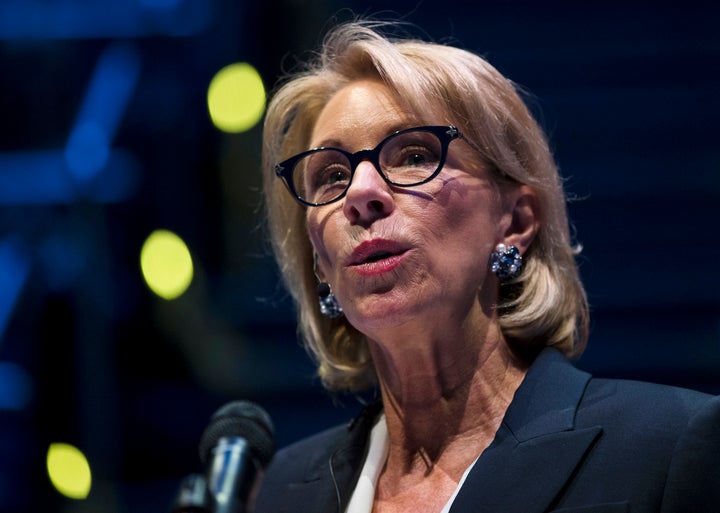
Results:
x,y
369,197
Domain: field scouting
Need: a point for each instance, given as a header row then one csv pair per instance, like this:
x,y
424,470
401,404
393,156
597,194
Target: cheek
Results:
x,y
468,203
469,220
313,230
319,230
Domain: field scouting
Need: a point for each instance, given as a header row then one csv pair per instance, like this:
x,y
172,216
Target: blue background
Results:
x,y
105,136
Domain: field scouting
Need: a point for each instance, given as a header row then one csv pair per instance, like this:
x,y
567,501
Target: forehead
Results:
x,y
359,115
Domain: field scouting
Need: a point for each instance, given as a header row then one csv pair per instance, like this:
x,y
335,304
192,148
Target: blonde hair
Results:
x,y
545,305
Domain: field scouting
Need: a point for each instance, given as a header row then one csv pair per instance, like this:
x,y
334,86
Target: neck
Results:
x,y
444,399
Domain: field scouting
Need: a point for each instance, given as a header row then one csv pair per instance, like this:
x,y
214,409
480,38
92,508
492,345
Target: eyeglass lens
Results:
x,y
406,158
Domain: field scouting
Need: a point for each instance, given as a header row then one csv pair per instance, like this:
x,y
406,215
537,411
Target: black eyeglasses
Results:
x,y
405,158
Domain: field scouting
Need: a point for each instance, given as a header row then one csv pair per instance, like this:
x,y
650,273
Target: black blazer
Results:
x,y
568,443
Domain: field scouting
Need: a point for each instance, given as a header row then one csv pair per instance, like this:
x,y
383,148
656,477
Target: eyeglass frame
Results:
x,y
445,134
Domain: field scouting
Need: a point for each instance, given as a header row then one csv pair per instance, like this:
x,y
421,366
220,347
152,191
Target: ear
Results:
x,y
525,218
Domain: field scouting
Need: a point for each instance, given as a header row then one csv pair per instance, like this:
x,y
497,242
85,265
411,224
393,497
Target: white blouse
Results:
x,y
364,493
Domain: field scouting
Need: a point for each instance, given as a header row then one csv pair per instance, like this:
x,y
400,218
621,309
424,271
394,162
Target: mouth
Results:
x,y
376,250
378,256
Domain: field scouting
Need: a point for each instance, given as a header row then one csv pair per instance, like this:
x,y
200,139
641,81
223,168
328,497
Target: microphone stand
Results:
x,y
192,496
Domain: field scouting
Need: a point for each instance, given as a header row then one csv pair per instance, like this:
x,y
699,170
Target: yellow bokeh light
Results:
x,y
236,98
166,264
69,470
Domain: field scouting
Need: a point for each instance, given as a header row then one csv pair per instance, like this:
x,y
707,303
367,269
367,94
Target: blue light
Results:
x,y
82,19
99,117
87,150
14,269
61,177
62,258
35,178
164,5
15,387
43,178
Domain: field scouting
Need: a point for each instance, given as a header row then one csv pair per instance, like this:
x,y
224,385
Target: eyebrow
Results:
x,y
327,143
336,143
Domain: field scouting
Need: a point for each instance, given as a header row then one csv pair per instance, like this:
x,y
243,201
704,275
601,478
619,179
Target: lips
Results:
x,y
375,250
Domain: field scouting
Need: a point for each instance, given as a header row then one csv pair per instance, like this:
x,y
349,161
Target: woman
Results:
x,y
419,222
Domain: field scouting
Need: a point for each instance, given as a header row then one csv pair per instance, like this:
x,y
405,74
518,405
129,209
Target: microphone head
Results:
x,y
245,420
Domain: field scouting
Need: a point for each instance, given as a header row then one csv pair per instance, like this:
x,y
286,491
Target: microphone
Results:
x,y
238,442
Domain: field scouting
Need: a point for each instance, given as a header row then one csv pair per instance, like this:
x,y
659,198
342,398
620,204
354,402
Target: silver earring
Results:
x,y
329,305
506,262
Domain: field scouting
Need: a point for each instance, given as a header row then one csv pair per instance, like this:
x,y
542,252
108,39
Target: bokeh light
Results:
x,y
236,98
16,387
87,151
69,470
166,264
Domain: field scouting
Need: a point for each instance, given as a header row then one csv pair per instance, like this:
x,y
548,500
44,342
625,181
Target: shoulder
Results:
x,y
316,471
646,406
639,416
301,460
694,471
659,434
314,451
297,475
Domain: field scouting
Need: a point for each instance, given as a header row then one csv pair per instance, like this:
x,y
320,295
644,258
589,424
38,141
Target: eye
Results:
x,y
416,158
415,155
332,175
412,150
329,182
323,174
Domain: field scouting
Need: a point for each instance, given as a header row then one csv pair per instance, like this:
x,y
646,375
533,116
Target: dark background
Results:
x,y
627,91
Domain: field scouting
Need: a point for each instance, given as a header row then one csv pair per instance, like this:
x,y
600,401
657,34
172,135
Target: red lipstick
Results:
x,y
377,256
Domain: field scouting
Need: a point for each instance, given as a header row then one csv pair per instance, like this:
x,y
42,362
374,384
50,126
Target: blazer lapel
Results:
x,y
331,472
536,449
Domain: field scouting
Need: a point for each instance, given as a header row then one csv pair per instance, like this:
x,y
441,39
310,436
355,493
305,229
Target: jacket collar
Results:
x,y
537,447
548,397
332,472
534,453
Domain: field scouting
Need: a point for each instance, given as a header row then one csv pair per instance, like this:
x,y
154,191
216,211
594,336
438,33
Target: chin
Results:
x,y
380,315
